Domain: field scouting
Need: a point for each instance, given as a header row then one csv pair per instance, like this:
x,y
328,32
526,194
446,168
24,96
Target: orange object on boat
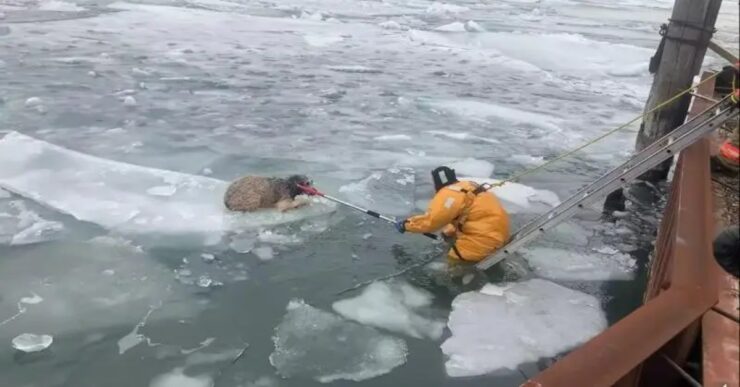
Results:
x,y
729,152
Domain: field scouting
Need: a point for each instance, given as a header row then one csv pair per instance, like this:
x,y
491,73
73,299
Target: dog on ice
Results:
x,y
251,193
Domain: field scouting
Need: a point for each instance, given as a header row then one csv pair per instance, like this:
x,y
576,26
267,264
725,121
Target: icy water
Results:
x,y
123,121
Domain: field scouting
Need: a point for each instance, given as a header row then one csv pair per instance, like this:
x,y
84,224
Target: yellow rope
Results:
x,y
599,138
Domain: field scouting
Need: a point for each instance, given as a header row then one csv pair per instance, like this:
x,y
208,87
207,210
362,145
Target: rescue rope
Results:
x,y
562,156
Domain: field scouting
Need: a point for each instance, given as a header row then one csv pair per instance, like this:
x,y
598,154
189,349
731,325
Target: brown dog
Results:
x,y
251,193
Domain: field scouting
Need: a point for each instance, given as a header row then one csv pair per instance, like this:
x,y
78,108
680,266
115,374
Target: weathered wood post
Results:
x,y
677,60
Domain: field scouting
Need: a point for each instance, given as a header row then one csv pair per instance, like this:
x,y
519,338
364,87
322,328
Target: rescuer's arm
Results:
x,y
443,209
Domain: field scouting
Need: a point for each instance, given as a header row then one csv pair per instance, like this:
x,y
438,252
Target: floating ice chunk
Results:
x,y
392,25
33,102
113,194
204,281
207,171
472,26
208,258
268,236
606,250
397,307
355,69
524,322
129,101
312,343
35,299
264,253
561,264
452,27
92,74
40,231
316,16
527,160
243,243
162,190
28,342
177,378
21,226
442,9
519,196
394,137
389,192
472,167
322,40
367,236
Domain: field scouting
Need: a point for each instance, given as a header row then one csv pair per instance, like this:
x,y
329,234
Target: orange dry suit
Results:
x,y
477,222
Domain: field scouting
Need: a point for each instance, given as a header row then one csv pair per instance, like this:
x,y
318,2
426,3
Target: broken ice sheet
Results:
x,y
395,306
502,327
320,345
128,198
19,225
561,264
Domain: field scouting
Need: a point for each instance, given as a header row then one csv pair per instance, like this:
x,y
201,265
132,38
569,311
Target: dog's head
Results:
x,y
296,180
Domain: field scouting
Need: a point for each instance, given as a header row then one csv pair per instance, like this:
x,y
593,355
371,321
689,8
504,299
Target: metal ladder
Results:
x,y
661,150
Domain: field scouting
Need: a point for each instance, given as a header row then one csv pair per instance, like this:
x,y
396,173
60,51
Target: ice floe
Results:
x,y
518,197
502,327
29,342
125,197
264,253
395,306
20,225
472,167
316,344
560,264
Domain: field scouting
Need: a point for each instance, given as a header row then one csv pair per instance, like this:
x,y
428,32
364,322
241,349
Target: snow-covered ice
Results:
x,y
502,327
395,306
114,194
527,160
320,345
29,342
560,264
518,197
472,167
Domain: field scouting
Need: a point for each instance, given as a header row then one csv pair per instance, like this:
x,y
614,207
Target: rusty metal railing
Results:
x,y
643,348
